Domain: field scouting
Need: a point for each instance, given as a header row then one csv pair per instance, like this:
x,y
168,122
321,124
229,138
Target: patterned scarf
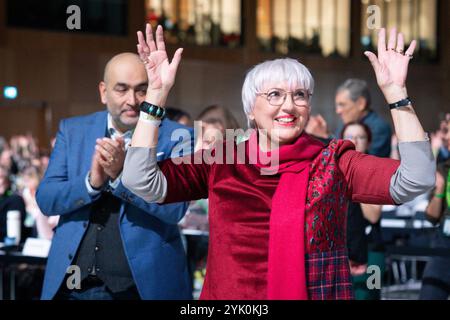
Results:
x,y
286,278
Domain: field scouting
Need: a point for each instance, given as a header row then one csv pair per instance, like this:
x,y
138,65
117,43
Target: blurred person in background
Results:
x,y
28,164
363,249
7,161
439,140
211,126
219,113
353,103
216,119
24,149
43,225
24,178
436,276
212,131
180,116
9,200
3,144
44,159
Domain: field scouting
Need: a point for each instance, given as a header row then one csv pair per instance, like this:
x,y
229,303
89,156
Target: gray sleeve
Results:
x,y
416,174
142,176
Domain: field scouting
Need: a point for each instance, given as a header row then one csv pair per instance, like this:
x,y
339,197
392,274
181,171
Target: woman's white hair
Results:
x,y
271,72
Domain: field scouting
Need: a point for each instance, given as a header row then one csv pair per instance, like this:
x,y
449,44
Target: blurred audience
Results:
x,y
219,113
212,131
9,201
215,120
363,249
436,276
353,103
179,116
440,141
42,224
212,123
22,166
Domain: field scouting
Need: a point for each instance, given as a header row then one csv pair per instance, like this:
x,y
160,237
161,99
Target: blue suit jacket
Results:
x,y
149,232
381,134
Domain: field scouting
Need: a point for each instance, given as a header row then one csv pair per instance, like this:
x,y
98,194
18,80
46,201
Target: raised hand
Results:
x,y
391,65
161,74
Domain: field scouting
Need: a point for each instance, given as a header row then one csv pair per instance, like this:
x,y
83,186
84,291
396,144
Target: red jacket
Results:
x,y
239,209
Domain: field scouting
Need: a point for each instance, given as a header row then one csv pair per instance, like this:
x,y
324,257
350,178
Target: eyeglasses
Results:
x,y
277,97
360,138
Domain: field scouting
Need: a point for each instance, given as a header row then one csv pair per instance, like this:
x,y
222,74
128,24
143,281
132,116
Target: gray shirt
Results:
x,y
414,176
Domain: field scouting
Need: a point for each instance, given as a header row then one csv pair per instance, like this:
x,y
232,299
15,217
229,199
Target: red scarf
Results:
x,y
286,276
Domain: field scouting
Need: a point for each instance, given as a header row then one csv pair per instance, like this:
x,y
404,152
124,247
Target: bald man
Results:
x,y
109,243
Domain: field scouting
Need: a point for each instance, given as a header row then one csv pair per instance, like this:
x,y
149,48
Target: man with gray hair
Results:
x,y
353,104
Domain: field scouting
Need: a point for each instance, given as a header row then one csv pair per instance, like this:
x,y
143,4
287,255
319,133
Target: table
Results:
x,y
12,259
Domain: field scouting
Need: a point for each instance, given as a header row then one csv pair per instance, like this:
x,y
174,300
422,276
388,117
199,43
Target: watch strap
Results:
x,y
401,103
152,110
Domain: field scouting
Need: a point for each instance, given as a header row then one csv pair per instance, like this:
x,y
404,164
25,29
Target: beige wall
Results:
x,y
63,70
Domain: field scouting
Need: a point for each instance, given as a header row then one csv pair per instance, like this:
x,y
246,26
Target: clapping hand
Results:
x,y
110,154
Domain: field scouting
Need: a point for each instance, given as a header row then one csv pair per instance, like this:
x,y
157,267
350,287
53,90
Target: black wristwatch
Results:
x,y
153,110
401,103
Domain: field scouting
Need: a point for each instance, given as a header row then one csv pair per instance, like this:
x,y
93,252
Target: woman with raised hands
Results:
x,y
278,227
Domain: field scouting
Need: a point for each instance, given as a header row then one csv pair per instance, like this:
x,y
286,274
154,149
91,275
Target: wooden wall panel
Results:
x,y
63,69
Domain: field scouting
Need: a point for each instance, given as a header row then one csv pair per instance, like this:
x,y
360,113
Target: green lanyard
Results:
x,y
447,188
